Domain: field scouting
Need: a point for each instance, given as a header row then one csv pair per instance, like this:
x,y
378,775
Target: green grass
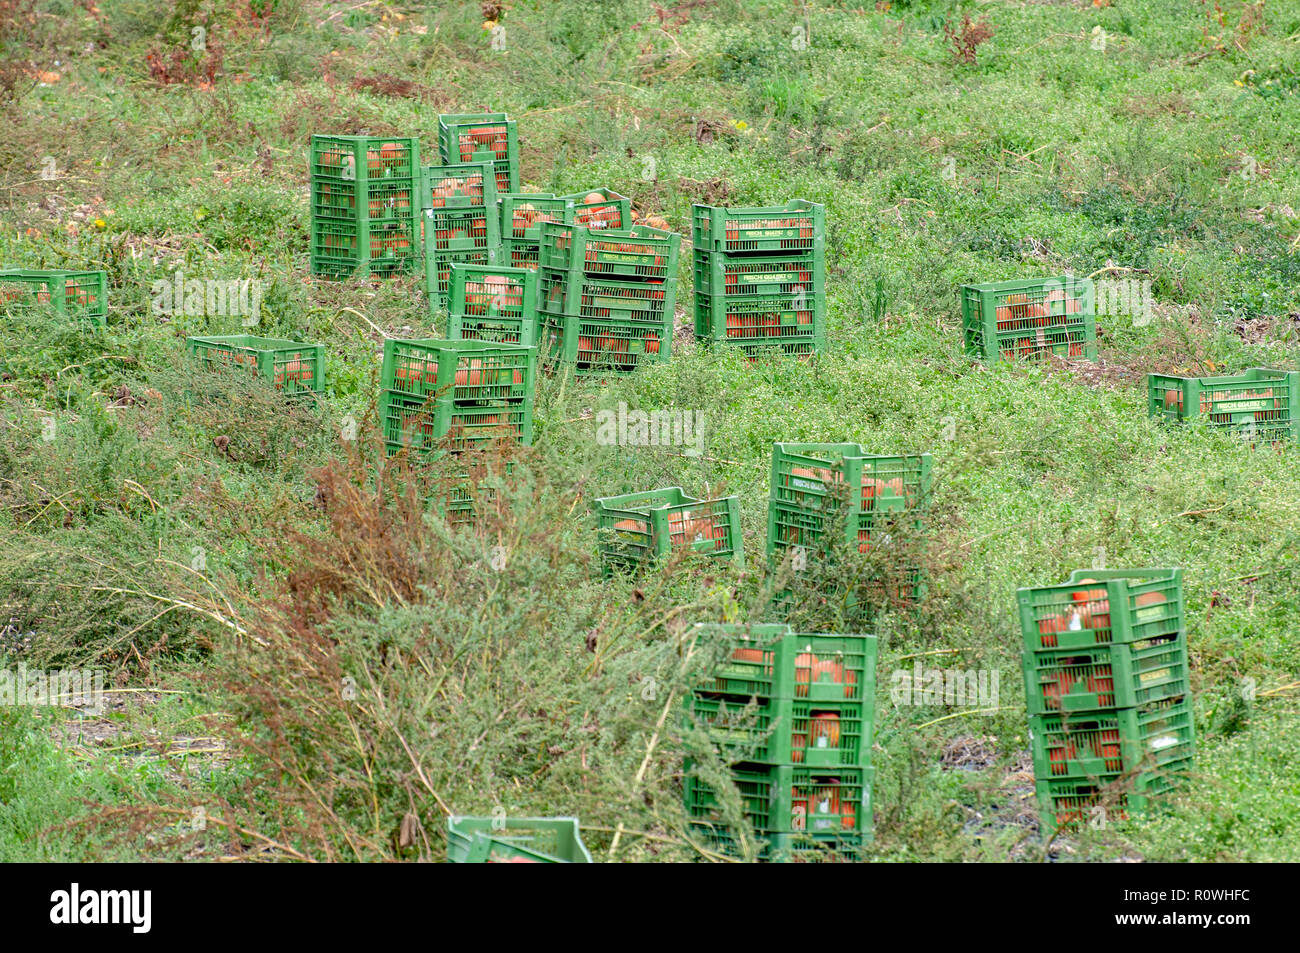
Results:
x,y
1159,153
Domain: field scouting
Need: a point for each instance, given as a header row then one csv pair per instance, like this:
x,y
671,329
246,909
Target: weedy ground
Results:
x,y
305,664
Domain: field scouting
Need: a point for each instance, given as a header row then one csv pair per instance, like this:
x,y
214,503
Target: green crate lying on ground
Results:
x,y
492,303
789,807
1072,804
761,302
1030,318
600,208
364,205
770,661
482,137
522,215
1100,744
292,366
795,228
640,253
83,294
1259,402
637,528
506,840
879,492
1108,676
1099,606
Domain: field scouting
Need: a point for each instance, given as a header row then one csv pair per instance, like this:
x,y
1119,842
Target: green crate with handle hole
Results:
x,y
515,840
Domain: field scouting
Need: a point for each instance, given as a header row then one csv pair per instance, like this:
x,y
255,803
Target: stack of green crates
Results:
x,y
80,294
482,137
515,840
456,395
364,205
607,297
828,493
292,366
637,528
791,715
1257,403
461,223
760,277
491,303
521,218
1106,684
1030,318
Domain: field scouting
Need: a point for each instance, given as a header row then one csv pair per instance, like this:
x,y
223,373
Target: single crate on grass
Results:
x,y
601,209
522,215
363,205
1123,741
1106,676
637,528
1259,402
1030,318
770,661
1073,803
813,482
482,137
81,294
292,366
641,253
492,303
515,840
1101,606
796,228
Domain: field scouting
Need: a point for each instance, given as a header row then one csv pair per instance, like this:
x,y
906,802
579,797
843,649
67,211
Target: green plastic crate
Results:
x,y
796,228
769,661
424,426
1105,677
815,484
522,214
637,528
83,294
1259,402
437,270
460,371
1072,803
1084,611
785,731
790,805
610,211
364,204
292,366
489,840
459,186
640,253
1109,743
459,230
482,137
491,303
759,303
1030,318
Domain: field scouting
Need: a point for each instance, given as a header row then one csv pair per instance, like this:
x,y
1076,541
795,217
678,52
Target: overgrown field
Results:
x,y
308,665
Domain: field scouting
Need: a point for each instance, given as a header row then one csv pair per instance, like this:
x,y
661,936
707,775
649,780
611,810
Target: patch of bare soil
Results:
x,y
969,753
1268,327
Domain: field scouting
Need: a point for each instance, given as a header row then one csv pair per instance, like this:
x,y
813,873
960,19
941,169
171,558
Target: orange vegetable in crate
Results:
x,y
803,666
797,744
1057,688
824,729
1107,746
651,342
1147,604
1093,606
1047,629
1058,756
